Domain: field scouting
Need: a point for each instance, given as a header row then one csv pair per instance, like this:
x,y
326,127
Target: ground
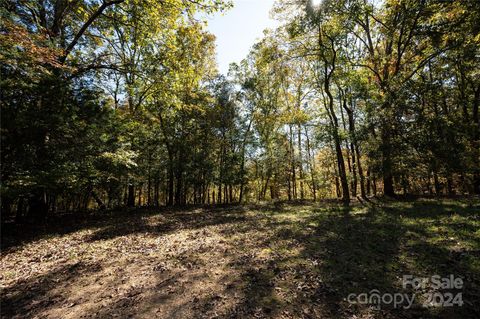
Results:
x,y
284,260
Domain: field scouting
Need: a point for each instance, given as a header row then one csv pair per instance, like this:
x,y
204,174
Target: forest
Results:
x,y
126,107
354,123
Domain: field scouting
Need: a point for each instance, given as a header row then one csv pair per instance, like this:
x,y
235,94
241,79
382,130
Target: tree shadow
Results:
x,y
352,251
26,297
111,224
374,249
168,222
281,260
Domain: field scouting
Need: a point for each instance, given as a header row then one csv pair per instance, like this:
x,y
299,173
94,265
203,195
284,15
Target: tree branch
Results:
x,y
85,27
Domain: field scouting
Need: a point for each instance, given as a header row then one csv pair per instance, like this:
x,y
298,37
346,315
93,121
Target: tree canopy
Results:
x,y
119,103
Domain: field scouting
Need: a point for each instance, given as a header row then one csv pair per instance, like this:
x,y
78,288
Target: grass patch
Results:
x,y
282,261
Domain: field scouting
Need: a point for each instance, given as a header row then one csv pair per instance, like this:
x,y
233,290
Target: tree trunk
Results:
x,y
20,210
438,188
149,189
98,200
140,190
341,169
38,207
294,177
476,141
179,187
368,182
156,192
170,184
131,195
312,166
300,161
450,189
388,189
337,144
355,150
349,148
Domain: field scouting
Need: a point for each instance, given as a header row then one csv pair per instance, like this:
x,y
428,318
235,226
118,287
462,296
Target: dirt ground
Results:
x,y
272,261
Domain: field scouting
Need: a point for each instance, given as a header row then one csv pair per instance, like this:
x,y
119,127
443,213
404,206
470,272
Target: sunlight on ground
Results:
x,y
281,261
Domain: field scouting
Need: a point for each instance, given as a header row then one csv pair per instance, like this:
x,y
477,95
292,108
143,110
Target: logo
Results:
x,y
434,291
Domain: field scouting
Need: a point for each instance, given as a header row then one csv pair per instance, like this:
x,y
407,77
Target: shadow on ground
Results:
x,y
277,261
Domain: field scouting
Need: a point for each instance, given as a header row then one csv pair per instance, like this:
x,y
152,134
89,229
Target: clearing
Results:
x,y
277,261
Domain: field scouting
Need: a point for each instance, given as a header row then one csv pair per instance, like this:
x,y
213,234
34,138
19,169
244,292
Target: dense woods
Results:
x,y
119,103
333,172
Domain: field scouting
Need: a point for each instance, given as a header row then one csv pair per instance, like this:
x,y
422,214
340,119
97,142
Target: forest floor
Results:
x,y
266,261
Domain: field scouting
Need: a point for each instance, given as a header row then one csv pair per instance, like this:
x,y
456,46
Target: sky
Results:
x,y
238,29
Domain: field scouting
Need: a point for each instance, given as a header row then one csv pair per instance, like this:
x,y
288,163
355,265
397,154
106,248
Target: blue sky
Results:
x,y
238,29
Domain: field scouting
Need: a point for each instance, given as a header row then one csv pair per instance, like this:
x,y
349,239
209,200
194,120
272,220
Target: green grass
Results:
x,y
362,248
280,261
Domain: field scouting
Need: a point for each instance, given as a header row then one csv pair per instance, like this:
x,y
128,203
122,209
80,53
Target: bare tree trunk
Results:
x,y
450,189
170,184
38,205
149,189
294,177
329,69
179,187
131,195
438,187
156,191
140,189
476,141
355,149
300,161
265,187
349,148
312,166
387,168
20,210
97,199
